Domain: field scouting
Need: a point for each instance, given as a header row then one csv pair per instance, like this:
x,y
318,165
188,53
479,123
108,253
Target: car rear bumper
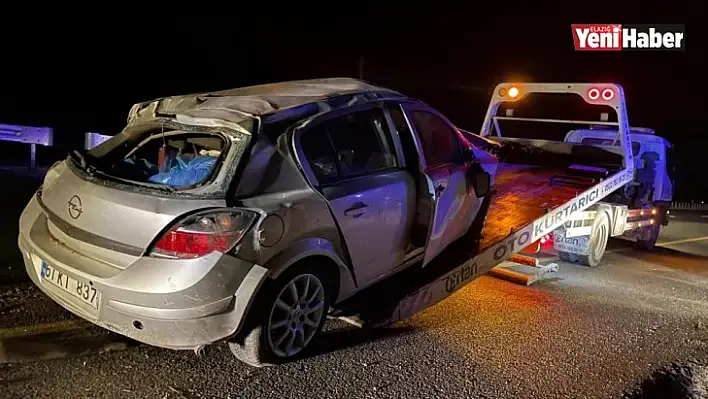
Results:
x,y
185,308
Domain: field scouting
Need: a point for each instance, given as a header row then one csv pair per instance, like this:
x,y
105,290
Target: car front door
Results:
x,y
452,195
358,171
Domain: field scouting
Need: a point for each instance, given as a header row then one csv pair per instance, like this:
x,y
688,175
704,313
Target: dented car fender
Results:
x,y
308,248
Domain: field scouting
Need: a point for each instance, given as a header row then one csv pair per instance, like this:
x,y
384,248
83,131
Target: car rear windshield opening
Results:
x,y
178,159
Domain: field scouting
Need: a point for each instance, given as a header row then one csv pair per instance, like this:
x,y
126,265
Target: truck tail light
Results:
x,y
203,233
600,93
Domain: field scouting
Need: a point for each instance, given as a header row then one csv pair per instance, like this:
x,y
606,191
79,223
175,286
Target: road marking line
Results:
x,y
46,328
682,241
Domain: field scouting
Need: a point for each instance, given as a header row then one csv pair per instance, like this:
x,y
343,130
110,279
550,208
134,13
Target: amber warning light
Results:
x,y
512,92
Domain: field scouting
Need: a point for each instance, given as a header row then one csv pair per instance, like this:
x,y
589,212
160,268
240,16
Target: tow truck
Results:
x,y
600,182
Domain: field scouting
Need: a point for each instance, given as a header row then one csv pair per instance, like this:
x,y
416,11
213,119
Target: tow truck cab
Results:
x,y
654,179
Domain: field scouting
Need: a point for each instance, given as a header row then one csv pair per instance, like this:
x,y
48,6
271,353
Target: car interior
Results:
x,y
164,158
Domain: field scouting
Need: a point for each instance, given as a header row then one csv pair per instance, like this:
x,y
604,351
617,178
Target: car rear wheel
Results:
x,y
292,312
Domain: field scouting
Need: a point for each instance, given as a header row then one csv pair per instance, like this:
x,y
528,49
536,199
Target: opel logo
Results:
x,y
75,207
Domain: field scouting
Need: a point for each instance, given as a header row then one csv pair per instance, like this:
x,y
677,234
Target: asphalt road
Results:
x,y
583,333
688,234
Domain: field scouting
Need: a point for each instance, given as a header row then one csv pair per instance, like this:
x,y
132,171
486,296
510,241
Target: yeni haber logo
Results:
x,y
617,37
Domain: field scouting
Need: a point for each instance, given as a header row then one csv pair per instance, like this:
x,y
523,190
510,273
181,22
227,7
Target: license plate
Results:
x,y
84,291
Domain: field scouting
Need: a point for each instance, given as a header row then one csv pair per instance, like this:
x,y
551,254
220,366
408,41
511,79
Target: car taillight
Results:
x,y
204,233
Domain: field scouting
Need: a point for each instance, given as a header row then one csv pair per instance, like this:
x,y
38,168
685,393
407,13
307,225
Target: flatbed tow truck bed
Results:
x,y
529,203
524,193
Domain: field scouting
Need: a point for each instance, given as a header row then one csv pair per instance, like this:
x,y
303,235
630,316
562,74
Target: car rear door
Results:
x,y
351,160
452,195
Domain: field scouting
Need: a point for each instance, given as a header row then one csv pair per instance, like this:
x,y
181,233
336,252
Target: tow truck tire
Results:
x,y
258,344
598,241
650,242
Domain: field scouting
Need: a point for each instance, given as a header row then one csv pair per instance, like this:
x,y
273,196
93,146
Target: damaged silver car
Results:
x,y
244,215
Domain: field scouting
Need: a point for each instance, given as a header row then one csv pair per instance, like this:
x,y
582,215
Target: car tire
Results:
x,y
598,241
270,327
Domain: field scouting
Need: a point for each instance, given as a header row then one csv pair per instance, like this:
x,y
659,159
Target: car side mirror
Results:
x,y
481,183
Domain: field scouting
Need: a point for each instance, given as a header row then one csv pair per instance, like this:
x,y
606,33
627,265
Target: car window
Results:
x,y
362,142
439,141
318,151
406,137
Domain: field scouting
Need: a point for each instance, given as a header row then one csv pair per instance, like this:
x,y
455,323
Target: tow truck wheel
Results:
x,y
598,241
289,315
651,235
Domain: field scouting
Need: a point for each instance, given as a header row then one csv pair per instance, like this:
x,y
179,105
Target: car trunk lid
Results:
x,y
111,225
115,220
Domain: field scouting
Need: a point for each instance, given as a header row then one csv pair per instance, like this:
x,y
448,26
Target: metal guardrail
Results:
x,y
689,206
29,135
42,136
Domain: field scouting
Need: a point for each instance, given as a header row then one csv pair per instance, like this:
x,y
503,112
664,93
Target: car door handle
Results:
x,y
356,210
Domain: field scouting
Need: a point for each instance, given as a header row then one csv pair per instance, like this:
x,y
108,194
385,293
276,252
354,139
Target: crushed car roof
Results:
x,y
237,104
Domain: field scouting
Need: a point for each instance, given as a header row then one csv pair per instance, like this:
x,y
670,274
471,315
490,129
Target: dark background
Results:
x,y
80,76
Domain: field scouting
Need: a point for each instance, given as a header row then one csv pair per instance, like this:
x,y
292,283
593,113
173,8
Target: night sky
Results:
x,y
79,77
